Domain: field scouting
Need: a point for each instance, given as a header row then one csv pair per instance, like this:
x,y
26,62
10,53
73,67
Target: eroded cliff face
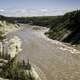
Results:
x,y
67,28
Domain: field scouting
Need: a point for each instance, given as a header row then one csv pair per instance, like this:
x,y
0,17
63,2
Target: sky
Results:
x,y
37,7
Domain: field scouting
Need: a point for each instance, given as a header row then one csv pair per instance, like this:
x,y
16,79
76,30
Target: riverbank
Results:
x,y
62,46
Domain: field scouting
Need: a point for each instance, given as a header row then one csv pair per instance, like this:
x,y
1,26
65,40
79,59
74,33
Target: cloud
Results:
x,y
44,10
32,12
2,10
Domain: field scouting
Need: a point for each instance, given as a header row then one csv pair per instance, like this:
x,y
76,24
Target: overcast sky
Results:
x,y
37,7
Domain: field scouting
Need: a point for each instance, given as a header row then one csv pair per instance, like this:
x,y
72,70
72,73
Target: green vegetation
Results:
x,y
45,21
5,56
14,70
67,29
36,28
8,20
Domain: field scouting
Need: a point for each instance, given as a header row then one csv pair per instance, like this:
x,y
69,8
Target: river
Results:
x,y
52,62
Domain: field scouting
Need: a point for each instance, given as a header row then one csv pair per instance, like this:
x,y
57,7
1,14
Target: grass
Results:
x,y
36,28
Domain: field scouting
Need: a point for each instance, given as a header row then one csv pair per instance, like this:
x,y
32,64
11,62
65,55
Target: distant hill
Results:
x,y
7,19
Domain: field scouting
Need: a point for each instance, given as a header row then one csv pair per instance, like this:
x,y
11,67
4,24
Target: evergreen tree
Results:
x,y
28,66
